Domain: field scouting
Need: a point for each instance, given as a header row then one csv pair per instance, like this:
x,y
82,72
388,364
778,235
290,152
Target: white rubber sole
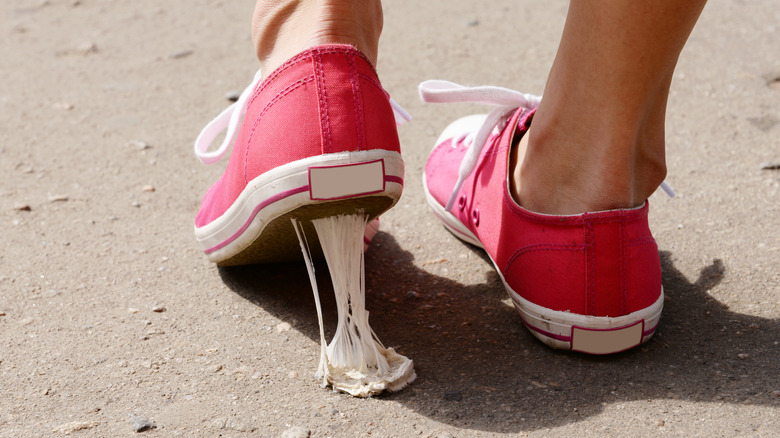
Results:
x,y
566,330
314,187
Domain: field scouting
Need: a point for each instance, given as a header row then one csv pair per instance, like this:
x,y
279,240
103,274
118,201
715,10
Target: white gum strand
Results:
x,y
355,362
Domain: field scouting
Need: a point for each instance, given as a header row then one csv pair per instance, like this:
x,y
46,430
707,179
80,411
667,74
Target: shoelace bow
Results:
x,y
505,101
230,118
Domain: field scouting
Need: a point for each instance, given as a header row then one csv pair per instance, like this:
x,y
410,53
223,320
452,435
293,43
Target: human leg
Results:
x,y
597,141
315,152
557,197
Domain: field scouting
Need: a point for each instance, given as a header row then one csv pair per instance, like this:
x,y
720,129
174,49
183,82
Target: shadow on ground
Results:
x,y
478,368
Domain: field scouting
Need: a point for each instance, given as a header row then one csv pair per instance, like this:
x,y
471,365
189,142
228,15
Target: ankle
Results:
x,y
282,29
552,176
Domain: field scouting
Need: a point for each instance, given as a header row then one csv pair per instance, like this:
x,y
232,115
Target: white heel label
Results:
x,y
606,341
344,181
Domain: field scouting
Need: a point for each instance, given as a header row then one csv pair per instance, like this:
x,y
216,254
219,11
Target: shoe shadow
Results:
x,y
479,368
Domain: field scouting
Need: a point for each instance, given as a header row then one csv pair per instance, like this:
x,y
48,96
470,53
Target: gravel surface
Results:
x,y
108,309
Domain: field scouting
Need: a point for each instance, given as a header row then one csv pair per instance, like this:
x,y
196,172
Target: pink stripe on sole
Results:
x,y
395,179
564,338
550,335
262,205
275,198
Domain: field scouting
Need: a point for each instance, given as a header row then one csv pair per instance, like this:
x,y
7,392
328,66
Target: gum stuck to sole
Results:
x,y
355,362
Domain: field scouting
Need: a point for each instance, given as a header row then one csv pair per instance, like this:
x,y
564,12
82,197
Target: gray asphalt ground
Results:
x,y
108,309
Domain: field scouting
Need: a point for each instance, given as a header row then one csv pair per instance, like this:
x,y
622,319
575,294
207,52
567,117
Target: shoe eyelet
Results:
x,y
475,217
462,202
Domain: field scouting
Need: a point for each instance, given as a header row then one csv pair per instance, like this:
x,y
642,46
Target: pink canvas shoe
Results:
x,y
588,282
315,138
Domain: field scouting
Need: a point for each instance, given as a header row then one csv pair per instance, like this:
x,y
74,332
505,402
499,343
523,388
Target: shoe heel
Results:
x,y
258,229
589,334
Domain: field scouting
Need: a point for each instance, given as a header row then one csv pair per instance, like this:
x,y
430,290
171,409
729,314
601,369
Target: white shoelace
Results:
x,y
230,118
505,101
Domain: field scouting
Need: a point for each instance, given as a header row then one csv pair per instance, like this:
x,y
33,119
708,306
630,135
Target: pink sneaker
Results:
x,y
589,282
317,138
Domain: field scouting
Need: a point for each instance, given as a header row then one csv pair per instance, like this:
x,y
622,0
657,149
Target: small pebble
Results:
x,y
148,188
219,423
57,198
661,423
292,375
743,356
22,207
283,327
132,310
63,106
296,432
215,368
453,396
140,144
181,54
141,424
763,123
2,313
473,23
242,370
239,426
154,331
136,204
87,47
75,426
233,95
434,261
159,308
772,79
770,166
